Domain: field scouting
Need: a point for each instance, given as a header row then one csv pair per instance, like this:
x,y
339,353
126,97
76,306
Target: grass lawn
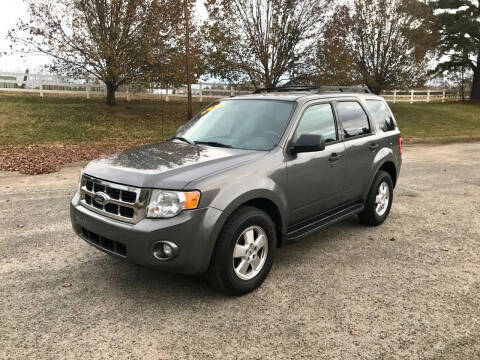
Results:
x,y
33,120
438,122
40,135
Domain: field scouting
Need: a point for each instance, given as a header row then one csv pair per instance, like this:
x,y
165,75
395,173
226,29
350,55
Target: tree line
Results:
x,y
379,43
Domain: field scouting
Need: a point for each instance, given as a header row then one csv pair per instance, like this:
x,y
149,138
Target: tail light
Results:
x,y
400,144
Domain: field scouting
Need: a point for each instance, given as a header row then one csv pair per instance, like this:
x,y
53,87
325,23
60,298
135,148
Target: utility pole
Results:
x,y
187,57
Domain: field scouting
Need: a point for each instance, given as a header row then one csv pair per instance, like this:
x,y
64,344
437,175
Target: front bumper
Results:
x,y
193,231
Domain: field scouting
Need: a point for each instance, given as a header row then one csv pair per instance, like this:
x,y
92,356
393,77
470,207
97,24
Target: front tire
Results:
x,y
379,200
244,252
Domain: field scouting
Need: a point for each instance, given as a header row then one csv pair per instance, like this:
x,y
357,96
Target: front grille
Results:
x,y
121,202
114,193
107,244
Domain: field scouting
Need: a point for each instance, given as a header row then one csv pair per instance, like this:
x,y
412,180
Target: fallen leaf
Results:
x,y
42,159
392,239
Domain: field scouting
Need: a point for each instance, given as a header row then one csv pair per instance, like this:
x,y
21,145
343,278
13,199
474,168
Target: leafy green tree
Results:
x,y
459,22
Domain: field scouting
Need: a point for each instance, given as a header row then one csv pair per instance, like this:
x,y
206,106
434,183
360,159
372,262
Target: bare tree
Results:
x,y
117,41
381,43
333,64
263,41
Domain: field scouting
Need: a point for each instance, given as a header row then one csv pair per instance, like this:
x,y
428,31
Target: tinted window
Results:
x,y
318,120
354,119
381,115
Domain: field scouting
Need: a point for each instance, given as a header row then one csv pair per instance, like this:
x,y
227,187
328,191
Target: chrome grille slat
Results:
x,y
112,201
131,212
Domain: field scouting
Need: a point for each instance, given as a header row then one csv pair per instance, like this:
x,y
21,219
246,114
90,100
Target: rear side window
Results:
x,y
318,120
354,119
381,115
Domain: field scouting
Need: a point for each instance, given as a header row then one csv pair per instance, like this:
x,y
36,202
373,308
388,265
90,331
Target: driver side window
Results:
x,y
318,120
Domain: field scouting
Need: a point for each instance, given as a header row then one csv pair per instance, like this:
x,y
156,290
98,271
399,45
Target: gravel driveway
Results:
x,y
409,289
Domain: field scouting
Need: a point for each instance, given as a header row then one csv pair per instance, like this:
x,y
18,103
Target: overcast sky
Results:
x,y
10,12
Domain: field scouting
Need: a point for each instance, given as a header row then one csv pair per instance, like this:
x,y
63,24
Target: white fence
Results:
x,y
427,96
53,84
43,84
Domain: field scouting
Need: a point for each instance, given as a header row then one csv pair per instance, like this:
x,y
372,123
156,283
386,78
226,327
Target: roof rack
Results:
x,y
354,88
316,89
285,89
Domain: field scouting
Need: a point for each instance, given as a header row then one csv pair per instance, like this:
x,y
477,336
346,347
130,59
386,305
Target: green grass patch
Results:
x,y
33,120
27,120
438,122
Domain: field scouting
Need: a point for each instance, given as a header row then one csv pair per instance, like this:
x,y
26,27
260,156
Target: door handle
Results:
x,y
374,146
334,157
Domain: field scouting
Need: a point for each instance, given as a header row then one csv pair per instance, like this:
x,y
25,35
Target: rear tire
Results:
x,y
379,200
244,252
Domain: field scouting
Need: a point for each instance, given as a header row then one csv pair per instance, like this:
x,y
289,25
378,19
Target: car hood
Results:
x,y
167,165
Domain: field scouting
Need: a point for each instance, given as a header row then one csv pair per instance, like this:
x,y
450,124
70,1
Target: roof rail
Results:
x,y
285,89
354,88
316,89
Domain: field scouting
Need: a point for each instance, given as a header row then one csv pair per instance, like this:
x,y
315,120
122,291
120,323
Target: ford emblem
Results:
x,y
101,198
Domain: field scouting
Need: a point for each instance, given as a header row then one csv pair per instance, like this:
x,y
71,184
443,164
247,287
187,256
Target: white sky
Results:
x,y
10,12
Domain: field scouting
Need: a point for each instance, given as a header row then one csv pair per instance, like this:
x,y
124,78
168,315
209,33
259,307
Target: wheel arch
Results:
x,y
273,211
264,200
387,164
391,169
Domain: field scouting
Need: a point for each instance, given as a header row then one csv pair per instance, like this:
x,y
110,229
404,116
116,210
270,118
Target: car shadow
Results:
x,y
137,281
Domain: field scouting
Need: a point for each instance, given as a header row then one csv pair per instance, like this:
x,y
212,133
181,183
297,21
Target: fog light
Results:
x,y
167,250
164,250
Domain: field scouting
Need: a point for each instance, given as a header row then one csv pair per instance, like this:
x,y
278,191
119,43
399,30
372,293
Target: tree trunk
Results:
x,y
475,96
187,59
376,89
110,93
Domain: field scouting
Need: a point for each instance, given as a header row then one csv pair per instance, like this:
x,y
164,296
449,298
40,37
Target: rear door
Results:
x,y
385,123
315,179
361,144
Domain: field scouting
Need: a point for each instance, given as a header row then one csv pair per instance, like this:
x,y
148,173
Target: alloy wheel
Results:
x,y
250,252
382,199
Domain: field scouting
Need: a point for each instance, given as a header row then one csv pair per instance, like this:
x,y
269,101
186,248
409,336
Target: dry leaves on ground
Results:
x,y
42,159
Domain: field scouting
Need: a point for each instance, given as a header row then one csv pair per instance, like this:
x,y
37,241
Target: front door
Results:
x,y
315,179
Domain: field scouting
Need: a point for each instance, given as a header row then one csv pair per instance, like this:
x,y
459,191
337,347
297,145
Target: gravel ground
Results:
x,y
408,289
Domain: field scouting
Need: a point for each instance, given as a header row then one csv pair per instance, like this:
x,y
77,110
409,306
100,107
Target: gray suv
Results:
x,y
242,178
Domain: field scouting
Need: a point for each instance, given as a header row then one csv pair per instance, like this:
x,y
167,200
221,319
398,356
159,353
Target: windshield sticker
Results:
x,y
221,105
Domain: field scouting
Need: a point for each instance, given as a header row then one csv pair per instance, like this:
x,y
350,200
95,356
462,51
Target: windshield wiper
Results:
x,y
213,143
182,139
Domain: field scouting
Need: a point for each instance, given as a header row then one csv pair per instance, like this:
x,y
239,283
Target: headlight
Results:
x,y
80,181
166,204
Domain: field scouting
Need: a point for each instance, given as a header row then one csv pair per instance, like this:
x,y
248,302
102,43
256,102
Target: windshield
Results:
x,y
241,124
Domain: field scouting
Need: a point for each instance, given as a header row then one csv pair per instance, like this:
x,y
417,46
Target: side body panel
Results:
x,y
315,182
264,179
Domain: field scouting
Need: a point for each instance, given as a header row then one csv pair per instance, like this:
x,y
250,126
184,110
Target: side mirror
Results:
x,y
308,143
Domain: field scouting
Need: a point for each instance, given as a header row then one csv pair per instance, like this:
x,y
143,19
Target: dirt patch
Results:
x,y
43,159
407,289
